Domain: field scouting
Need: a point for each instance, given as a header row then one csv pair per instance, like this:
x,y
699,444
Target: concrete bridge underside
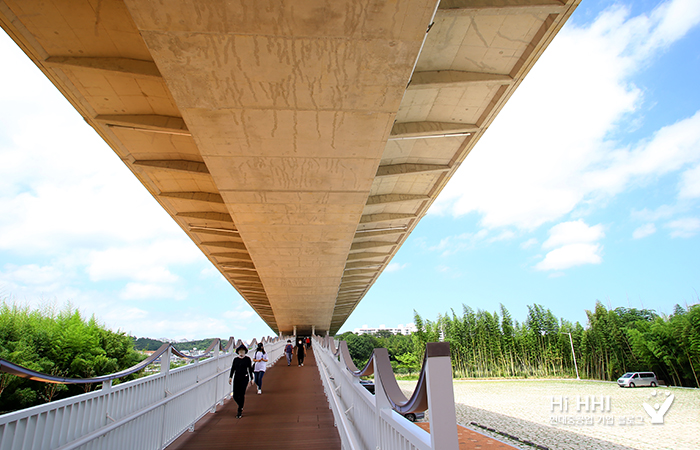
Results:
x,y
297,143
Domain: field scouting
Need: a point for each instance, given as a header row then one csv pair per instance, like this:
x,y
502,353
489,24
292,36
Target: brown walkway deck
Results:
x,y
292,413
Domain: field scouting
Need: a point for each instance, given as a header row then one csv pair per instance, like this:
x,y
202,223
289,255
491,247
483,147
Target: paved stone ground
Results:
x,y
524,408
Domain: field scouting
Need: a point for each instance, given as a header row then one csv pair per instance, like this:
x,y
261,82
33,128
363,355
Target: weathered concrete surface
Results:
x,y
297,143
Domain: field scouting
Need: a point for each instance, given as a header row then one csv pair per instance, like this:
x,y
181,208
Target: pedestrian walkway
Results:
x,y
292,413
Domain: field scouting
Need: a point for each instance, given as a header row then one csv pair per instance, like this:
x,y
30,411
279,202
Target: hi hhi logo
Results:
x,y
582,403
658,411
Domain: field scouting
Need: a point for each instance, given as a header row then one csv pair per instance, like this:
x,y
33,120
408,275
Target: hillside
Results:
x,y
146,344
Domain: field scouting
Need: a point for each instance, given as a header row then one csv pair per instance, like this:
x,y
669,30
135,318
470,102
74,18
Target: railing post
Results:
x,y
164,370
441,398
165,366
381,403
216,381
106,388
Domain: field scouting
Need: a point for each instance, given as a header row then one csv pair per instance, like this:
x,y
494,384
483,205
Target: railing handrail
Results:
x,y
433,391
102,431
170,402
351,439
24,372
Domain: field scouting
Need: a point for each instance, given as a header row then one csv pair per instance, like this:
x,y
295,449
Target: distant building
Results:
x,y
399,329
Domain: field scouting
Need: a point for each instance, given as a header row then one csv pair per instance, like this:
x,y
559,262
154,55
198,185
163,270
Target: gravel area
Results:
x,y
536,411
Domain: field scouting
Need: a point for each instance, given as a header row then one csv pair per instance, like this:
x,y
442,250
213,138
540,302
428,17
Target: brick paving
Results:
x,y
471,440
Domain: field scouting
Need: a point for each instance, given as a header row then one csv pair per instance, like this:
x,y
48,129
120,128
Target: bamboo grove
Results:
x,y
615,341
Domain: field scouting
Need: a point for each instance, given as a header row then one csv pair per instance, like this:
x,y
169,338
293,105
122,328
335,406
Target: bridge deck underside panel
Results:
x,y
290,106
292,141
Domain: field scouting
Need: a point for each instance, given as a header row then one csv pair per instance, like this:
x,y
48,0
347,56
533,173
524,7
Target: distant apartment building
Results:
x,y
400,329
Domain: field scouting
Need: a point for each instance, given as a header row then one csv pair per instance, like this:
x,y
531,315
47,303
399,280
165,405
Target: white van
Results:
x,y
633,379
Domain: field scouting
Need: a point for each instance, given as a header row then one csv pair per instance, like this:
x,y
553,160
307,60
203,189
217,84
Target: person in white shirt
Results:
x,y
260,364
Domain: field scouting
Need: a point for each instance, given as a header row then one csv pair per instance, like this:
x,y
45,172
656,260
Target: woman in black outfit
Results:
x,y
301,351
241,373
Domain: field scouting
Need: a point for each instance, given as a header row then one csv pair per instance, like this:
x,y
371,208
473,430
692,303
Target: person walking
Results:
x,y
301,351
308,343
260,361
288,350
241,368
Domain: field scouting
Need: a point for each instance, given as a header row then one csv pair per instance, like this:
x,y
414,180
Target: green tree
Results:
x,y
60,343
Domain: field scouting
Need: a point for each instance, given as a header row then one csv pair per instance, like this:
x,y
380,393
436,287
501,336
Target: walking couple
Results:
x,y
241,368
299,349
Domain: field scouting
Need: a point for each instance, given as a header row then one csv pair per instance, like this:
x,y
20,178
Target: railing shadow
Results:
x,y
433,392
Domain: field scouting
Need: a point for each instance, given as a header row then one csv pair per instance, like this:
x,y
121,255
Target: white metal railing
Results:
x,y
367,421
144,414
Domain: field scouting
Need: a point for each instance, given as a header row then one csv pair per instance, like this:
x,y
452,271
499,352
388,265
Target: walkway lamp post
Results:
x,y
571,340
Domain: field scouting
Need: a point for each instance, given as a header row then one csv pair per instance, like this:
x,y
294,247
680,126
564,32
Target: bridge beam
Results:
x,y
226,244
146,122
385,217
395,198
503,6
409,130
407,168
371,244
207,215
178,165
455,78
119,65
209,197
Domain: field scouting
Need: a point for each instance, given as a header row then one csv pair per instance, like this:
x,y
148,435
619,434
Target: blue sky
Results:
x,y
585,188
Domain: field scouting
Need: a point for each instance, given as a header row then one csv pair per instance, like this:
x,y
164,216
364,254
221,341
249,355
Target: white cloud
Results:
x,y
143,262
573,232
123,315
571,255
574,244
503,236
645,230
662,212
32,274
177,327
211,272
395,267
689,187
684,228
144,291
529,243
465,241
238,315
517,177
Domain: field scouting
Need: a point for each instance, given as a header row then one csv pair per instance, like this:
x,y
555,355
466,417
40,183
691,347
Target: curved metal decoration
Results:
x,y
418,401
23,372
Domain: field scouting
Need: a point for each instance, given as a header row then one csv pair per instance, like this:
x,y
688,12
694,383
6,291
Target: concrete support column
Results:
x,y
441,398
313,330
295,331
